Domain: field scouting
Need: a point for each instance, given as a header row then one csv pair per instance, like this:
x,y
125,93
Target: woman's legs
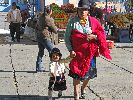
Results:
x,y
76,84
84,85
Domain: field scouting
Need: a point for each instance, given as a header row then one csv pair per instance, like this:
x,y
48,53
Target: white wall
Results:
x,y
60,2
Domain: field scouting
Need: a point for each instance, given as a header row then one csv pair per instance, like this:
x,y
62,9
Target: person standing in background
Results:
x,y
45,27
96,12
15,19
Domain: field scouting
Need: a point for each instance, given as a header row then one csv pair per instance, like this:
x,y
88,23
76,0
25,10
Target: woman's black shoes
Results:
x,y
82,94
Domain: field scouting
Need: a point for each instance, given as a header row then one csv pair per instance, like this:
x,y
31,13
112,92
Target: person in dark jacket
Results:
x,y
96,12
44,28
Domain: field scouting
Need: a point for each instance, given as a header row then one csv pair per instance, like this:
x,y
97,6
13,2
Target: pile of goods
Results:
x,y
121,20
59,15
68,8
110,44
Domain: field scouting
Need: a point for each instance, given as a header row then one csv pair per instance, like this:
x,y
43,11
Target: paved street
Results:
x,y
19,81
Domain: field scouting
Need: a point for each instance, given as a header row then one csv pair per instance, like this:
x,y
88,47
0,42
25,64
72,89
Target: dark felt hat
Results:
x,y
84,4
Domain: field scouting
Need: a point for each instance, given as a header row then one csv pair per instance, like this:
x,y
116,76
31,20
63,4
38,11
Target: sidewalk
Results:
x,y
20,82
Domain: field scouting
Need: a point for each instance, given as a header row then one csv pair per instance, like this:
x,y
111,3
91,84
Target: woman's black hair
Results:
x,y
14,4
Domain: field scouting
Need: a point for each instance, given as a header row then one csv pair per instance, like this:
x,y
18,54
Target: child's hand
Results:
x,y
72,54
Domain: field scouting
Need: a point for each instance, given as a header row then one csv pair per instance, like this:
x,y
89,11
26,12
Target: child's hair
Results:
x,y
55,50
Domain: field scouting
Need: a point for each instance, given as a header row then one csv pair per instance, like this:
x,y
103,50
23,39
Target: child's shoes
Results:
x,y
49,95
60,94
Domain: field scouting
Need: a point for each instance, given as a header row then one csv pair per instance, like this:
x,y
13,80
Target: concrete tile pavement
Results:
x,y
20,82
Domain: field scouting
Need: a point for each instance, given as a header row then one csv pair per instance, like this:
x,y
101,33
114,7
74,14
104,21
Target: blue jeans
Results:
x,y
42,44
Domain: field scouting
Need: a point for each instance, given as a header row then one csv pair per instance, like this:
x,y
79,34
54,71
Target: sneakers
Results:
x,y
40,69
39,66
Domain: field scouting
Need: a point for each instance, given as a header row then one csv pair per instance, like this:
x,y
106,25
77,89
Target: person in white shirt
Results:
x,y
57,80
15,19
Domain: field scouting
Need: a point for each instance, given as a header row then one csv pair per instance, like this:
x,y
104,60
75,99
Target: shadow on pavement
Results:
x,y
6,39
19,71
23,97
65,97
30,97
22,72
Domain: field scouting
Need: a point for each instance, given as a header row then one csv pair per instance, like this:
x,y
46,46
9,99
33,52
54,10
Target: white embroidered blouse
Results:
x,y
57,68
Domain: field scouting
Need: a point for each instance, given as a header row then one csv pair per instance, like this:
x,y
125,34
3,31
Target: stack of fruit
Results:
x,y
60,17
68,8
121,20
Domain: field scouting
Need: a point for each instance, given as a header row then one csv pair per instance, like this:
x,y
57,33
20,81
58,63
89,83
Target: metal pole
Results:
x,y
106,10
106,25
44,7
106,5
33,7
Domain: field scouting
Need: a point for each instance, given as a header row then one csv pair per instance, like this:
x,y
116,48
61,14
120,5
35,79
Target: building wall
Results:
x,y
6,8
75,2
47,2
65,1
59,2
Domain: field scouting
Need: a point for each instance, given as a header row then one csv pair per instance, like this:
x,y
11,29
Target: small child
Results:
x,y
57,80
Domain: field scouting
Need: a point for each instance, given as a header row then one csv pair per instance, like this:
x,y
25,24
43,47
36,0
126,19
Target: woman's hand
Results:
x,y
91,37
72,54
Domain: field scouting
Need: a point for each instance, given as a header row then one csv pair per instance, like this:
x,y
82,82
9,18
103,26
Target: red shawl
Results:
x,y
85,50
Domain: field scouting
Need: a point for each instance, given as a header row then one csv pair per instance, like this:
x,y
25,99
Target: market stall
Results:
x,y
61,16
122,21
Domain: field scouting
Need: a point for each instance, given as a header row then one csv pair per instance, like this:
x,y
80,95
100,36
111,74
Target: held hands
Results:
x,y
72,54
91,37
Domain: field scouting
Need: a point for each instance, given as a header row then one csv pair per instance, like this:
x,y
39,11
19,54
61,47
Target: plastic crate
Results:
x,y
124,36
